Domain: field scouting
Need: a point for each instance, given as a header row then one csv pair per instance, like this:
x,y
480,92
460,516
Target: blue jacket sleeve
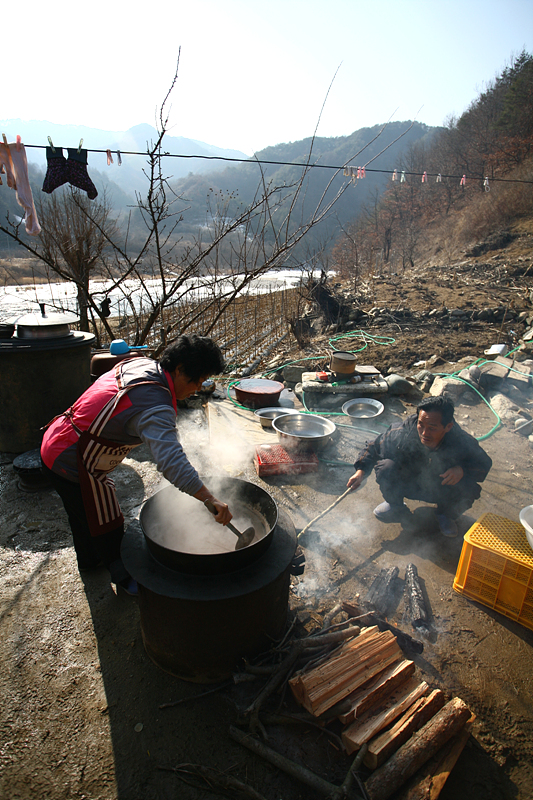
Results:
x,y
157,428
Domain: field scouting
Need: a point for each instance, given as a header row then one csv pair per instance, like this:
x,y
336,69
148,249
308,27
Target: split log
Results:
x,y
382,686
384,745
415,598
368,617
357,662
436,772
385,781
381,593
372,723
287,665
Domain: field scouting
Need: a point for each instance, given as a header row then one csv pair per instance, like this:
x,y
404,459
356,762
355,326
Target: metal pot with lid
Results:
x,y
342,362
43,325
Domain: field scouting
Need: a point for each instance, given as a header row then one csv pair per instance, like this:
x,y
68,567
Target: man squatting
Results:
x,y
427,457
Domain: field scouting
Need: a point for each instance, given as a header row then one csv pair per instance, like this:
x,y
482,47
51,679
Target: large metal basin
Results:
x,y
363,408
304,432
267,415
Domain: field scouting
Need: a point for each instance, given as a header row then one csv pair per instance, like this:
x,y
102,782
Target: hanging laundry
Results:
x,y
119,159
56,172
486,185
425,177
15,164
463,181
109,158
395,175
439,178
77,172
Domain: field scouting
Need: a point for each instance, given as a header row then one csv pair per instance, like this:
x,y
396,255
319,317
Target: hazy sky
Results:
x,y
256,72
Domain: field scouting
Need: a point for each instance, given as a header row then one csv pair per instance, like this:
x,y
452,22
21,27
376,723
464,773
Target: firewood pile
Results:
x,y
390,720
374,692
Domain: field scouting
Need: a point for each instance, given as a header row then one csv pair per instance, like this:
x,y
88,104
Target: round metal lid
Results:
x,y
47,319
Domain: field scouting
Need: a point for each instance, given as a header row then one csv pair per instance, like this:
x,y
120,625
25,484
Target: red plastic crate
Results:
x,y
273,459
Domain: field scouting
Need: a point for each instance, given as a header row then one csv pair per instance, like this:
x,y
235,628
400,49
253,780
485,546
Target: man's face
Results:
x,y
430,429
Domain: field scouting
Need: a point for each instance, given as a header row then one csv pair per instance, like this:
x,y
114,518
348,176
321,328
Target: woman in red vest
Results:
x,y
135,402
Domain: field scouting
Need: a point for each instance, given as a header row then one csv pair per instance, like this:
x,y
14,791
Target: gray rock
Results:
x,y
448,386
434,361
507,411
523,426
518,397
293,374
397,384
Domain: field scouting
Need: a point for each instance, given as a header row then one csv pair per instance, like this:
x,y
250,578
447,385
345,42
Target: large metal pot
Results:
x,y
304,432
45,325
343,362
181,533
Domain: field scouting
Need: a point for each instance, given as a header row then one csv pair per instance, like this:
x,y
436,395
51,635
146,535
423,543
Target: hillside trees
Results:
x,y
493,139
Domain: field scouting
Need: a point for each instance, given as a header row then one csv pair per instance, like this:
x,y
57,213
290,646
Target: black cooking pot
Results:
x,y
163,509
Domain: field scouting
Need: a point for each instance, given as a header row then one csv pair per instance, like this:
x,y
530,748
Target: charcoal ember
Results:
x,y
415,600
382,593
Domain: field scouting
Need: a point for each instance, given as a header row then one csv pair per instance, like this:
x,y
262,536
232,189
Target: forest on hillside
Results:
x,y
470,183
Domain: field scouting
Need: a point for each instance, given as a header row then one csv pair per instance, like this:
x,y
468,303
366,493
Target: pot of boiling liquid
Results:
x,y
182,534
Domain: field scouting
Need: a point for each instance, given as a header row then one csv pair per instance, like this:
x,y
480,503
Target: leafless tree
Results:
x,y
240,244
74,239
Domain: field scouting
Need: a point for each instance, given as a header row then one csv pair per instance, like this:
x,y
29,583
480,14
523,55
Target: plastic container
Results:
x,y
496,568
526,519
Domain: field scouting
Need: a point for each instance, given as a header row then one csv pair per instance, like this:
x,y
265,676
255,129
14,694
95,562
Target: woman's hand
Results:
x,y
223,515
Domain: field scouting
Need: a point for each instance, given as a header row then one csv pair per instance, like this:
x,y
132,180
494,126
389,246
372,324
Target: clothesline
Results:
x,y
343,167
13,163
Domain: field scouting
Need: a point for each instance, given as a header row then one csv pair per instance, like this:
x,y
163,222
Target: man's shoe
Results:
x,y
389,512
448,527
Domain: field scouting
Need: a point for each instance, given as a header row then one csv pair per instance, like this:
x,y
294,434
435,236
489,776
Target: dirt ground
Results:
x,y
83,707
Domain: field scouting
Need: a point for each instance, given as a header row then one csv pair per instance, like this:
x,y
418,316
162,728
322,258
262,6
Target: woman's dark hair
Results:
x,y
442,404
196,355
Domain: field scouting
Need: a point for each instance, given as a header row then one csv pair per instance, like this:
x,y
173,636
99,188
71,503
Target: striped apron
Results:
x,y
96,458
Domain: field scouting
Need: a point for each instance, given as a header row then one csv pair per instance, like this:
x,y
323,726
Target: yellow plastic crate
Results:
x,y
496,568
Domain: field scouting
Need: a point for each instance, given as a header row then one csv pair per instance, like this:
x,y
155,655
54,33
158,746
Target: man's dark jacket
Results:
x,y
402,445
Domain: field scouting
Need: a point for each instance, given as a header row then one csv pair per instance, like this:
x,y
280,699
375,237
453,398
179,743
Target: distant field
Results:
x,y
22,271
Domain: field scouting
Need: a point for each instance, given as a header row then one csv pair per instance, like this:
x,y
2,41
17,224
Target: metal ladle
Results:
x,y
244,539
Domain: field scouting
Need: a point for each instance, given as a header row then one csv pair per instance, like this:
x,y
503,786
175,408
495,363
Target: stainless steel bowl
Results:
x,y
363,408
303,432
266,415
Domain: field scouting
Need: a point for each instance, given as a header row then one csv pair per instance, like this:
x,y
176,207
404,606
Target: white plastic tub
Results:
x,y
526,519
